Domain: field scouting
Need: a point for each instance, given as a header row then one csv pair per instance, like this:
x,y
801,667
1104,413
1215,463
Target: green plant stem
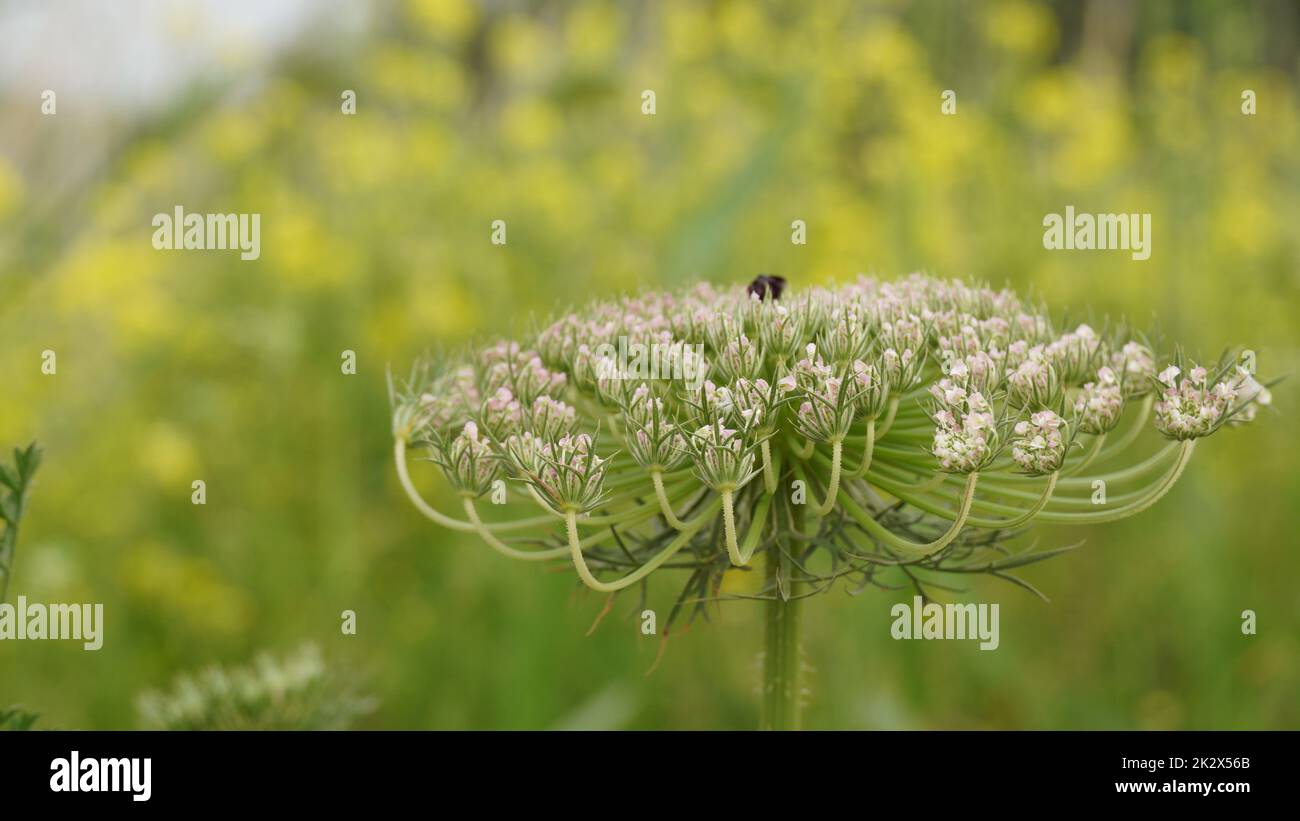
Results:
x,y
729,529
833,485
665,506
1121,444
8,541
805,450
769,474
908,548
757,519
888,422
1133,504
1091,454
782,665
652,564
399,456
1024,518
505,549
861,469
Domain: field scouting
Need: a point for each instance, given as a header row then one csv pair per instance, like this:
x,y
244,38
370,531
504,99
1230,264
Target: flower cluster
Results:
x,y
1040,443
1098,405
1200,403
827,401
571,475
966,435
653,439
297,691
721,458
868,398
468,460
1033,383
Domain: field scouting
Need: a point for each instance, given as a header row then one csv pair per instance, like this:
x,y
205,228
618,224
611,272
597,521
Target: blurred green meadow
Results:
x,y
175,366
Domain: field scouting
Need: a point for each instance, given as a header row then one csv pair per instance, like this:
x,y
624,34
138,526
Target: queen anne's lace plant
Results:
x,y
299,691
878,433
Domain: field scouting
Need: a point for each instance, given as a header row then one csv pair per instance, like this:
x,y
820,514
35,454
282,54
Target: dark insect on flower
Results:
x,y
765,284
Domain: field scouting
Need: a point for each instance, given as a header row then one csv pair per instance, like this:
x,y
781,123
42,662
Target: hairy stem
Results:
x,y
888,422
833,486
1121,444
1025,517
399,456
584,572
729,529
505,549
916,550
867,450
782,665
769,473
1093,450
665,506
805,450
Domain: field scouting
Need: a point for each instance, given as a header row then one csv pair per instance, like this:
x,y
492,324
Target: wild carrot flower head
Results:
x,y
1193,401
1074,354
551,418
1135,367
572,475
655,440
468,460
1098,405
1034,382
895,420
1250,397
1040,443
523,454
824,397
966,431
871,389
502,413
721,457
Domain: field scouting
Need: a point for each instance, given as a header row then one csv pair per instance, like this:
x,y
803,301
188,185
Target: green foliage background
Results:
x,y
375,228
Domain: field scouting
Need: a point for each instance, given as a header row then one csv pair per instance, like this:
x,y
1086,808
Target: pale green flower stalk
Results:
x,y
878,433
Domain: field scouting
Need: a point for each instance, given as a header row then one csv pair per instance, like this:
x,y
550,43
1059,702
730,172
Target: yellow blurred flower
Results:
x,y
530,124
444,19
591,33
183,588
519,45
1021,27
1173,61
168,454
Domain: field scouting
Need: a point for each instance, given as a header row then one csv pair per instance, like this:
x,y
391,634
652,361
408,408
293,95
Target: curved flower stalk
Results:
x,y
902,431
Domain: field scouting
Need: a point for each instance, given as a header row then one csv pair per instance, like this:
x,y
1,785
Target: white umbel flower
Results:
x,y
1099,405
1191,408
1039,445
1134,367
965,435
1251,396
572,476
468,461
